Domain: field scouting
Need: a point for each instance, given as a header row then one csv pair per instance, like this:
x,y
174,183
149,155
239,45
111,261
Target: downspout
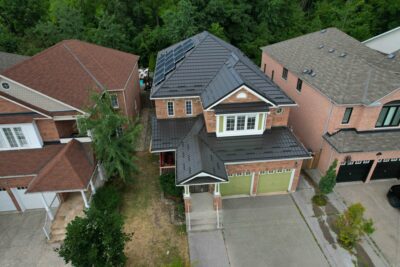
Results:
x,y
326,124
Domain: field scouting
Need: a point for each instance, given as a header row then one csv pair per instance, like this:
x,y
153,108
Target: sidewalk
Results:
x,y
320,220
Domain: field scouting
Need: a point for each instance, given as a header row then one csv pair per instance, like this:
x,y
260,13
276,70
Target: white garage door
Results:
x,y
6,203
34,200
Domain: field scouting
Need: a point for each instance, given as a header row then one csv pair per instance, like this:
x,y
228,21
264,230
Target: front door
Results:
x,y
199,188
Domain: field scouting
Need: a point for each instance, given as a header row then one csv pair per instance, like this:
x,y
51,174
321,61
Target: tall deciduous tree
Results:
x,y
114,137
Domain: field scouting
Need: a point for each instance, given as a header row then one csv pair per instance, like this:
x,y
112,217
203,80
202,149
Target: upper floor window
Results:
x,y
284,73
114,101
18,136
170,108
347,115
390,115
189,109
299,84
240,124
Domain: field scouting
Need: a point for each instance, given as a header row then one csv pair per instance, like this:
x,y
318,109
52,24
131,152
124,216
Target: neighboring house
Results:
x,y
386,43
43,158
221,124
348,102
7,60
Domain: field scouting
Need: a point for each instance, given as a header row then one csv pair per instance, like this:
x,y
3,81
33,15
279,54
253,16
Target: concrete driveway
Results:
x,y
22,241
268,231
386,219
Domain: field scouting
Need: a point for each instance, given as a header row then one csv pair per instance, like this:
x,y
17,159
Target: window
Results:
x,y
299,84
188,105
20,136
241,123
284,73
119,131
251,122
347,115
170,108
230,123
114,101
12,137
389,116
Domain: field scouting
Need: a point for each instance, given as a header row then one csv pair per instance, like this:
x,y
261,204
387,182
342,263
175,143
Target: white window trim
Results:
x,y
173,109
116,98
30,133
236,132
191,107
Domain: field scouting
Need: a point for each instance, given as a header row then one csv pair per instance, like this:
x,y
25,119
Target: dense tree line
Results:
x,y
145,26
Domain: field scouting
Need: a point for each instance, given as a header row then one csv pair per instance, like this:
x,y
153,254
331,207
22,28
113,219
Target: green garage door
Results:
x,y
237,185
274,182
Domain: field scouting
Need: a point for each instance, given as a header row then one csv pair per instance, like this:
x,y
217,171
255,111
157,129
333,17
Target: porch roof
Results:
x,y
70,169
203,180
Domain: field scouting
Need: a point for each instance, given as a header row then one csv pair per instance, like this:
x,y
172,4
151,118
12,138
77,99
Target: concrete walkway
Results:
x,y
208,249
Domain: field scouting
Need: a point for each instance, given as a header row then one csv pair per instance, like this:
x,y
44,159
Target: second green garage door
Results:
x,y
237,185
277,181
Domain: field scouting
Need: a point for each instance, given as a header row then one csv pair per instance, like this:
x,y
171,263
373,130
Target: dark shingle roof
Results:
x,y
362,76
346,141
8,60
211,70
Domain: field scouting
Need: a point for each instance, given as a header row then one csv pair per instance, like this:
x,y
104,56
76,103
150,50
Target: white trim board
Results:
x,y
271,160
19,104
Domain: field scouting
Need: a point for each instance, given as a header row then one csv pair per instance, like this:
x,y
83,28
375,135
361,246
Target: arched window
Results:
x,y
390,115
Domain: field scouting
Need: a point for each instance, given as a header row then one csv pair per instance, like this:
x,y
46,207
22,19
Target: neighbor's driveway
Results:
x,y
23,243
386,219
268,231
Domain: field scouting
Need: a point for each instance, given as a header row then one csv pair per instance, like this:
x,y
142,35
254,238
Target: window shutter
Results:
x,y
221,124
260,121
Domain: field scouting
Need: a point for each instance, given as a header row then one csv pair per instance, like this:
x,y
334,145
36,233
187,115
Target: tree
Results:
x,y
218,31
352,226
328,181
114,137
97,239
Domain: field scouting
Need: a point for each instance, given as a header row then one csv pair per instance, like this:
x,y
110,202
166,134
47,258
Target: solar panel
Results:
x,y
169,67
189,44
179,56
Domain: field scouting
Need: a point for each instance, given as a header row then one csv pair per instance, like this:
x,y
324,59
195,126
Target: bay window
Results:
x,y
240,124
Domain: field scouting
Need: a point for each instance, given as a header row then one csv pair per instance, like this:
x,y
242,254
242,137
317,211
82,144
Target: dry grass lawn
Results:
x,y
155,241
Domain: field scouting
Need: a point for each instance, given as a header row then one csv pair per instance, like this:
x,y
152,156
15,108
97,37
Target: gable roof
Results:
x,y
213,69
70,169
8,60
360,76
68,71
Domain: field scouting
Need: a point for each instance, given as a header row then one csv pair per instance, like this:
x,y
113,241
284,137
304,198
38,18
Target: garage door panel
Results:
x,y
386,170
354,171
6,203
274,182
237,185
34,200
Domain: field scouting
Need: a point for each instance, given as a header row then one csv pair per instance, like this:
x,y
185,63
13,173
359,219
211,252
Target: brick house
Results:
x,y
44,160
221,124
348,98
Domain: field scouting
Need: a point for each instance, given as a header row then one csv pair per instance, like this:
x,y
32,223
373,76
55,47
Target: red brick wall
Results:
x,y
179,108
9,107
132,94
265,166
210,121
48,130
234,98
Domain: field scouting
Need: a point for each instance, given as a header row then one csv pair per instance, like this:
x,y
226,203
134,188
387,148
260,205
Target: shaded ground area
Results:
x,y
268,231
386,219
23,243
156,241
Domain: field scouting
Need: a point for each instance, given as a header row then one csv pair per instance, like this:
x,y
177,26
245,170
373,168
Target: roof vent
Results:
x,y
321,46
391,56
331,50
5,85
313,74
306,71
344,54
323,31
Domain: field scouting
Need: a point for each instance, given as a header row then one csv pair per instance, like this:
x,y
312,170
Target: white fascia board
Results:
x,y
238,89
224,182
172,97
271,160
165,150
18,176
19,104
66,118
39,93
200,175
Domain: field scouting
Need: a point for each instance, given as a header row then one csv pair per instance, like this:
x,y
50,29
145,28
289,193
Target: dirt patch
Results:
x,y
156,241
363,260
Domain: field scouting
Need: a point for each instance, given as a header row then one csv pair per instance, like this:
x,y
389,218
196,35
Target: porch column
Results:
x,y
46,207
187,199
371,171
92,187
217,197
85,199
101,174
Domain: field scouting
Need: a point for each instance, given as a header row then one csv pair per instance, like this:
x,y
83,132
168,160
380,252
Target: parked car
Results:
x,y
394,196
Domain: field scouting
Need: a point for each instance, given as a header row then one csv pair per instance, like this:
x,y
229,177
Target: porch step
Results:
x,y
58,231
57,238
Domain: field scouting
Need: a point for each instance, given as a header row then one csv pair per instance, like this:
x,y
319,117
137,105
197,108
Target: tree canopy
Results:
x,y
144,27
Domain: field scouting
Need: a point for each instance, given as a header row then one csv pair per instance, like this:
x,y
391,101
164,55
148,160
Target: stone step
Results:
x,y
57,238
59,231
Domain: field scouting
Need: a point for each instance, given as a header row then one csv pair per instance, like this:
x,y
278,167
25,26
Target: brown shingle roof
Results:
x,y
68,71
70,169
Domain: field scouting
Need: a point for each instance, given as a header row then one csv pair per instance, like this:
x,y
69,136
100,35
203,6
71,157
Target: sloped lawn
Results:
x,y
155,241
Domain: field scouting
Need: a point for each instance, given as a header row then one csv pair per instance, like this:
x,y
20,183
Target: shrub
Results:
x,y
107,198
328,181
352,226
319,200
167,182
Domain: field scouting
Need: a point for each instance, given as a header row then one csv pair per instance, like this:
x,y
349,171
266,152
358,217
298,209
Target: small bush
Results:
x,y
107,198
319,200
167,182
352,226
328,181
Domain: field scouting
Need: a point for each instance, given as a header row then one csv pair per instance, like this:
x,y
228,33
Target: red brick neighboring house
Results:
x,y
348,98
221,124
42,158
